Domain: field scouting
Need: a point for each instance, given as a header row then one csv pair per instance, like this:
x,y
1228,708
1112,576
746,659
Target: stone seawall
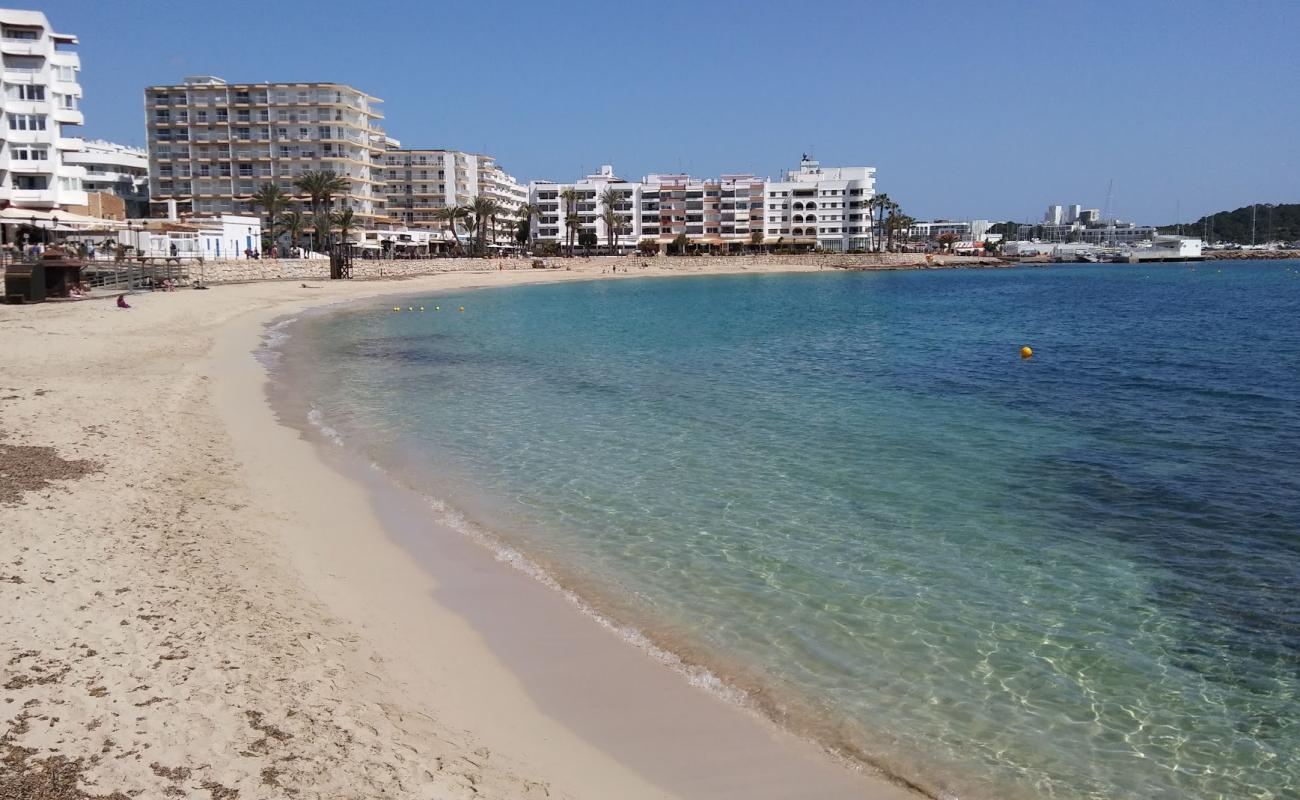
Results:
x,y
300,270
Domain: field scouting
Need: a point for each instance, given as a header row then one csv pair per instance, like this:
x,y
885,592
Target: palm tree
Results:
x,y
320,186
322,223
526,213
946,241
343,220
570,197
451,215
272,198
293,223
880,204
485,209
610,198
897,222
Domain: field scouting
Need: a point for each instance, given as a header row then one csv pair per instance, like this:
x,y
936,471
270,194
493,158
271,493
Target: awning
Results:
x,y
21,215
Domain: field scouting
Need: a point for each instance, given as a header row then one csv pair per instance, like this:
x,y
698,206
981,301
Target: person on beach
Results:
x,y
121,301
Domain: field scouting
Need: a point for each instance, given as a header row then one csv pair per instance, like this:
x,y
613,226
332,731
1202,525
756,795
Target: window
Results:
x,y
25,91
223,115
30,182
225,170
65,73
26,122
205,170
304,133
323,131
245,170
29,153
243,116
200,116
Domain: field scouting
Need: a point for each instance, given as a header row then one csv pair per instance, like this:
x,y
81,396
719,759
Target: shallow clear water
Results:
x,y
1072,576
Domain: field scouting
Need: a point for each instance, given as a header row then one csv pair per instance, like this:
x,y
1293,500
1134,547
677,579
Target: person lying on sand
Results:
x,y
305,286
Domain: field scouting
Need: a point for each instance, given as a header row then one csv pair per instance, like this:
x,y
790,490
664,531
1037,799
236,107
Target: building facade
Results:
x,y
418,183
975,230
733,209
213,144
825,207
42,116
118,170
1111,232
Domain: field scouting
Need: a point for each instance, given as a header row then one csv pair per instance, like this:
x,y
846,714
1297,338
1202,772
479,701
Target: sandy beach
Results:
x,y
195,601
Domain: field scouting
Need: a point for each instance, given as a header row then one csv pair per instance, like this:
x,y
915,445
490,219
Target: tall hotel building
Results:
x,y
41,115
811,206
213,144
419,183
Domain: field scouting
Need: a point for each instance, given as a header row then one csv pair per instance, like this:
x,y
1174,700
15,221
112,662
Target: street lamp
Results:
x,y
54,223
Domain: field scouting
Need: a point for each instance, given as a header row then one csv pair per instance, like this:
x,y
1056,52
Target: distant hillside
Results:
x,y
1272,223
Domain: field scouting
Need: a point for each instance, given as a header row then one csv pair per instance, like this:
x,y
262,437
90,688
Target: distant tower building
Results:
x,y
1072,214
1090,216
1053,215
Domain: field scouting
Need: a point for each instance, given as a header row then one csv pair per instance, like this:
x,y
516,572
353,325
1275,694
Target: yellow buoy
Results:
x,y
437,308
1026,352
462,308
410,308
395,308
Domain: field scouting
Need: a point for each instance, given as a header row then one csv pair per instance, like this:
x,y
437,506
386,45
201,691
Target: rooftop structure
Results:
x,y
40,106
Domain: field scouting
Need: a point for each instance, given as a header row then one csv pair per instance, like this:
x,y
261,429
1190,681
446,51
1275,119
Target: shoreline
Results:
x,y
357,641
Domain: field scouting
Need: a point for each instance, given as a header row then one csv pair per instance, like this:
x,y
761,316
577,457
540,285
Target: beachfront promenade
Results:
x,y
301,269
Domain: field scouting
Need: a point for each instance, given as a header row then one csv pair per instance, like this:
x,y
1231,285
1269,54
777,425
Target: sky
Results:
x,y
988,110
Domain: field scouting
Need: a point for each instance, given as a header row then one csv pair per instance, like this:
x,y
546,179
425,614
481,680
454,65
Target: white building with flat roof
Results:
x,y
827,207
42,118
116,169
975,230
418,183
812,206
212,144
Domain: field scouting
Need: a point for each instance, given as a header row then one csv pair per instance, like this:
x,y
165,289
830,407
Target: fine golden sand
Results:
x,y
193,603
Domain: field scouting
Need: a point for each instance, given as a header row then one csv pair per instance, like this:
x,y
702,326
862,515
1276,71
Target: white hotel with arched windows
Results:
x,y
811,207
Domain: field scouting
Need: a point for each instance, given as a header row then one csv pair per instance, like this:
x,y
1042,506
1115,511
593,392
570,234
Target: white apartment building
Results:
x,y
659,208
825,207
420,182
975,230
41,115
116,169
213,144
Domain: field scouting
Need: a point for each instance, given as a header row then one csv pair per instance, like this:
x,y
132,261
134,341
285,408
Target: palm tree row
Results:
x,y
318,187
614,222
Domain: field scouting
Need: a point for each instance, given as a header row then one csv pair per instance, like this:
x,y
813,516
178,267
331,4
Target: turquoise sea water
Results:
x,y
1073,576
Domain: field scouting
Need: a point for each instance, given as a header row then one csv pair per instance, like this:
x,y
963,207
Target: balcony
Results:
x,y
20,47
68,116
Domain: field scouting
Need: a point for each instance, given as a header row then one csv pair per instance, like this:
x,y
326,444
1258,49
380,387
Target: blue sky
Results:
x,y
966,109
